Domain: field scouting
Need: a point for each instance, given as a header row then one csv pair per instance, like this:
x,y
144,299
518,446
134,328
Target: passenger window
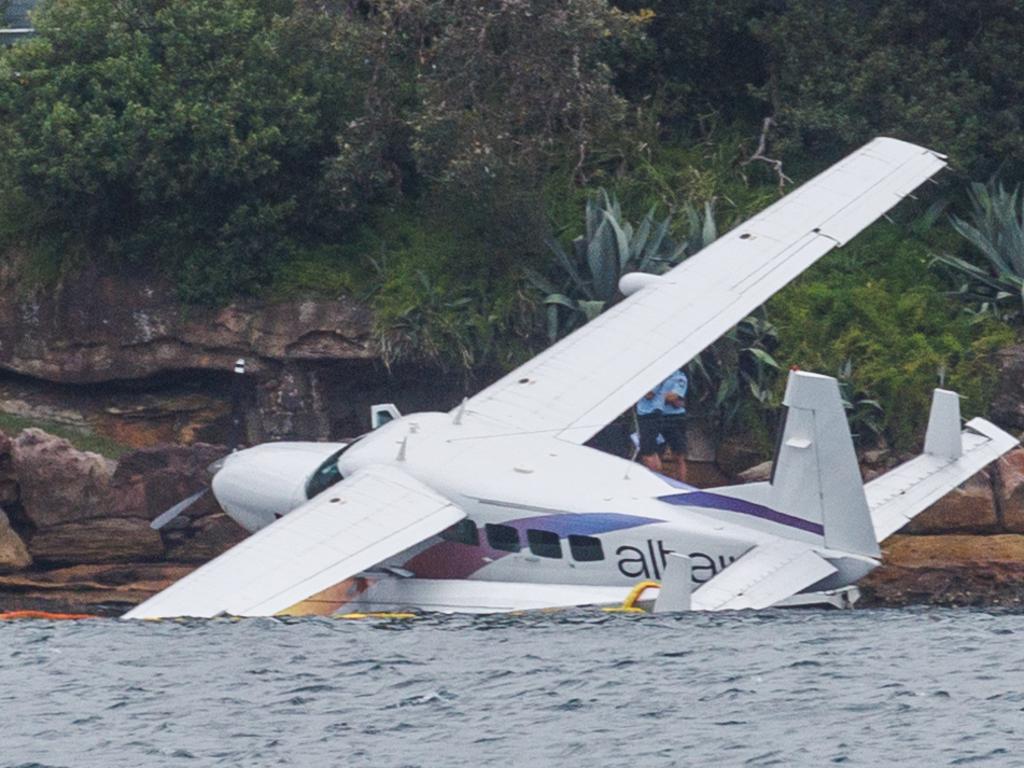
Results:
x,y
585,548
463,532
503,537
544,543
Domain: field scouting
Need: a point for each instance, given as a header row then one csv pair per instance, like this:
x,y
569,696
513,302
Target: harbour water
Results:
x,y
924,687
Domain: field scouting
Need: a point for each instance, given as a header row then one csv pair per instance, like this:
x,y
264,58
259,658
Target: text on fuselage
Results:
x,y
647,561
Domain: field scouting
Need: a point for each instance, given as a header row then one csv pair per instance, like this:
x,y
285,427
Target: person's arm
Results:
x,y
675,397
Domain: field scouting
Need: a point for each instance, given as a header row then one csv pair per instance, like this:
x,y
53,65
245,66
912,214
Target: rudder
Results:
x,y
816,474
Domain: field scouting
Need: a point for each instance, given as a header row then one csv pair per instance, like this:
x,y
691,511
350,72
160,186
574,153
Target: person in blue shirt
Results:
x,y
661,412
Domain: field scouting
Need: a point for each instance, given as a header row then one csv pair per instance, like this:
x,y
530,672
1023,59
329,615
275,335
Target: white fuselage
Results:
x,y
540,512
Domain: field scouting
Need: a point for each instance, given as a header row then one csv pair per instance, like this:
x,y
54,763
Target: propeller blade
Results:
x,y
176,510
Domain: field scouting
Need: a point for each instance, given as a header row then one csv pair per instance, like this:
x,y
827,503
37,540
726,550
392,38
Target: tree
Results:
x,y
511,88
187,136
936,73
212,139
701,60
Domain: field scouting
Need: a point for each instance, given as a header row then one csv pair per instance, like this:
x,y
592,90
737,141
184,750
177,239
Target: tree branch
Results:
x,y
759,154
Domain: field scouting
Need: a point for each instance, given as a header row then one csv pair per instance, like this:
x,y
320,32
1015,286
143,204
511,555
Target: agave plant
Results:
x,y
996,230
609,248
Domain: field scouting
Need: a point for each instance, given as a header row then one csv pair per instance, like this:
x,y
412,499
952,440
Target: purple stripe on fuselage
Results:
x,y
729,504
452,560
588,524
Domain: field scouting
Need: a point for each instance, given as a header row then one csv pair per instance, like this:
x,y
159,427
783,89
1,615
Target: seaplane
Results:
x,y
499,505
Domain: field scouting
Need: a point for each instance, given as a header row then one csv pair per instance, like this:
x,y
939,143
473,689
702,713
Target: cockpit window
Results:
x,y
463,532
327,474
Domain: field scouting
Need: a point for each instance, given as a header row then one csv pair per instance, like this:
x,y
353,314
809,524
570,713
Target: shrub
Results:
x,y
443,294
877,309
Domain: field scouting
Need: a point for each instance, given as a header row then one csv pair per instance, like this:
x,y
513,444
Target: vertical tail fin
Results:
x,y
951,455
816,476
815,490
943,435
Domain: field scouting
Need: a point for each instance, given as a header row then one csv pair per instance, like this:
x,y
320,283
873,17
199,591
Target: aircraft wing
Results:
x,y
376,513
584,381
762,577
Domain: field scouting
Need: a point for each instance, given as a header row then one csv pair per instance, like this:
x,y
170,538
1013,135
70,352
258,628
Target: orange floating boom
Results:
x,y
9,615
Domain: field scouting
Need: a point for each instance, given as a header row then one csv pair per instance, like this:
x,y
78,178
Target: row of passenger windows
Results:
x,y
541,543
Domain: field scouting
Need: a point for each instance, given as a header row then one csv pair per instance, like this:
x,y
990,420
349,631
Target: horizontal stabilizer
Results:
x,y
762,577
898,496
371,516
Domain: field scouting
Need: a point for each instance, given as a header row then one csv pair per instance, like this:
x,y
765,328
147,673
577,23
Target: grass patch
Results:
x,y
326,270
83,441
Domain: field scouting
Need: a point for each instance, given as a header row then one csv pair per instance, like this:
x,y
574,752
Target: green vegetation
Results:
x,y
80,439
420,155
878,315
996,232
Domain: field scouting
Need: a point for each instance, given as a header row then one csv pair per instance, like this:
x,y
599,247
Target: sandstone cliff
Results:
x,y
118,355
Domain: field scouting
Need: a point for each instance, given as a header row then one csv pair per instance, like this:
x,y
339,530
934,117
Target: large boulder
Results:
x,y
759,473
1011,490
78,507
58,483
971,508
13,554
107,540
151,480
951,569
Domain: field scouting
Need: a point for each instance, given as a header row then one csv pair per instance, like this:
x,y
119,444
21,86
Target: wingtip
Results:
x,y
891,141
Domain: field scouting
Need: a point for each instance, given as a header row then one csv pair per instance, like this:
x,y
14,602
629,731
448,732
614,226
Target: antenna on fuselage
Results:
x,y
459,414
401,449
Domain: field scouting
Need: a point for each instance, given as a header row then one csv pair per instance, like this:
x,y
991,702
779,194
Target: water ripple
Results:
x,y
917,687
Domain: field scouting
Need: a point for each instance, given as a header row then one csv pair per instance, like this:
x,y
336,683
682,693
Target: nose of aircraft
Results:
x,y
258,485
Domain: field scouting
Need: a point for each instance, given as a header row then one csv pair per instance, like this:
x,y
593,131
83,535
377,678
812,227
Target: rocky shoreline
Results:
x,y
74,526
115,356
75,534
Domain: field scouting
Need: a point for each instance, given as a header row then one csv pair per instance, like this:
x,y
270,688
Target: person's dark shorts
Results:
x,y
671,427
